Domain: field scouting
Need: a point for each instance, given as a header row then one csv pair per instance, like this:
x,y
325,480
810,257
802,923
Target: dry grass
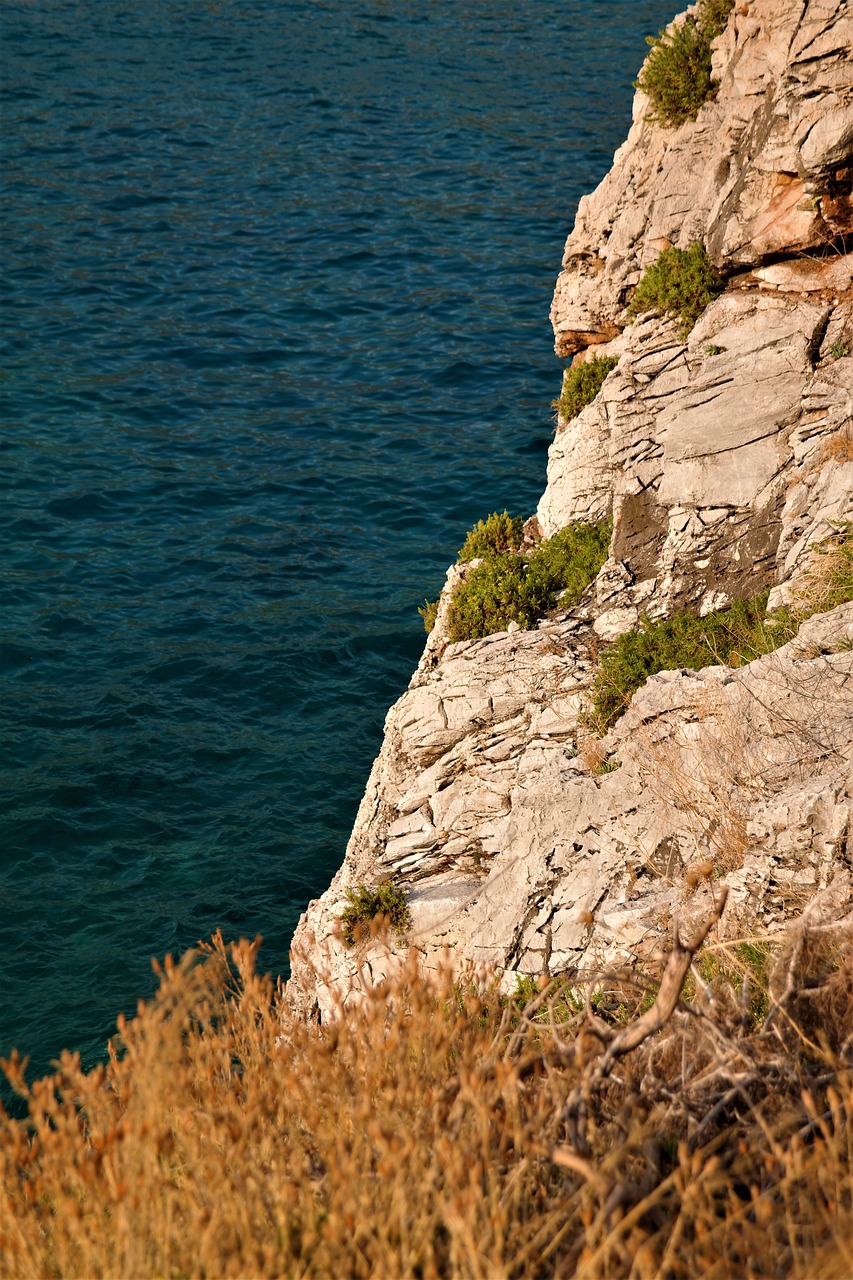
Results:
x,y
839,447
828,581
444,1133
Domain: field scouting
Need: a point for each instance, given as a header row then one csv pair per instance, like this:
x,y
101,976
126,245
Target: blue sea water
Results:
x,y
275,281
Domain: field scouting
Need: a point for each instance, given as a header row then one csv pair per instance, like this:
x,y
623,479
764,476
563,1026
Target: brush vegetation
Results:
x,y
384,902
498,533
677,76
509,587
681,283
429,612
582,383
726,637
438,1131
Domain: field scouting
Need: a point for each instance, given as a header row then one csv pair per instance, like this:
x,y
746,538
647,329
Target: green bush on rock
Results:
x,y
567,563
494,594
429,612
582,383
365,904
508,587
681,283
499,532
727,637
677,73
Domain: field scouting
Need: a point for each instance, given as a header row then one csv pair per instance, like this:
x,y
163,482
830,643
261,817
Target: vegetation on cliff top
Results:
x,y
677,73
437,1131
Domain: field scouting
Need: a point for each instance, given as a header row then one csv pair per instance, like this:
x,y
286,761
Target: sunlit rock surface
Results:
x,y
722,459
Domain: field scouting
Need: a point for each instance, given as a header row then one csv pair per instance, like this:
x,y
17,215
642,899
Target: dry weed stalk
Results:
x,y
430,1133
838,447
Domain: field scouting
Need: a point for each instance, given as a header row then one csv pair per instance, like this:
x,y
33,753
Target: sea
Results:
x,y
275,289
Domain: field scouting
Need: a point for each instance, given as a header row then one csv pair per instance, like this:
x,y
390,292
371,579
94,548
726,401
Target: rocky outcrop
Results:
x,y
763,176
716,456
517,851
722,458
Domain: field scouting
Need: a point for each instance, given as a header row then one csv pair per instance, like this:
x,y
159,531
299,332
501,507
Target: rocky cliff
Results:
x,y
722,457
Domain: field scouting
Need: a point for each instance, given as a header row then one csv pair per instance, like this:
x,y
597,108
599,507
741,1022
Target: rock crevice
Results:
x,y
722,459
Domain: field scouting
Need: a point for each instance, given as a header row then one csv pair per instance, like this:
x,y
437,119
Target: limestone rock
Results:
x,y
763,173
723,458
518,853
710,453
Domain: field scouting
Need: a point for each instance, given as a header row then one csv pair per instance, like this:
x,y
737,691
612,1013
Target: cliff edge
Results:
x,y
723,456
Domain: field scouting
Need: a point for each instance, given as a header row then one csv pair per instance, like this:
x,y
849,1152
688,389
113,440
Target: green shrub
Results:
x,y
365,904
568,562
582,383
681,283
677,73
429,612
499,591
512,588
726,637
498,533
714,16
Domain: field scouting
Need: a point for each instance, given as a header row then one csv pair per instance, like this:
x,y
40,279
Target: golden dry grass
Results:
x,y
838,447
442,1133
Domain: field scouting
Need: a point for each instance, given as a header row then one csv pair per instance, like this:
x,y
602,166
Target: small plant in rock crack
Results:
x,y
838,350
582,383
367,903
681,283
677,76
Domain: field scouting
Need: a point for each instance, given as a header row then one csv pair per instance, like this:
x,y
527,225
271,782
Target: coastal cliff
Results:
x,y
723,457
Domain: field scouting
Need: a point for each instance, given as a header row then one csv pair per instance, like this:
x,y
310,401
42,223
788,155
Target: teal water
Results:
x,y
276,278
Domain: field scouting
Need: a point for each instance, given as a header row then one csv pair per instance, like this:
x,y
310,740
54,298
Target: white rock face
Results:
x,y
722,459
761,175
709,452
517,852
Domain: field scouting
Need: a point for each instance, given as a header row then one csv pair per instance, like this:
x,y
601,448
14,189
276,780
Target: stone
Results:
x,y
763,171
522,842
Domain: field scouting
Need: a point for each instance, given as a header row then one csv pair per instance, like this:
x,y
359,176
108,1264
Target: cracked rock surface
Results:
x,y
762,176
720,458
723,459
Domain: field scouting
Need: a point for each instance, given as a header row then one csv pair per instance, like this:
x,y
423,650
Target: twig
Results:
x,y
653,1020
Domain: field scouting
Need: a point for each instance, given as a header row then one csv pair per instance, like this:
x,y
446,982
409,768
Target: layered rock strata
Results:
x,y
723,459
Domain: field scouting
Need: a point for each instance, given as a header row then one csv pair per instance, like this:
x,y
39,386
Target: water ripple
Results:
x,y
276,284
